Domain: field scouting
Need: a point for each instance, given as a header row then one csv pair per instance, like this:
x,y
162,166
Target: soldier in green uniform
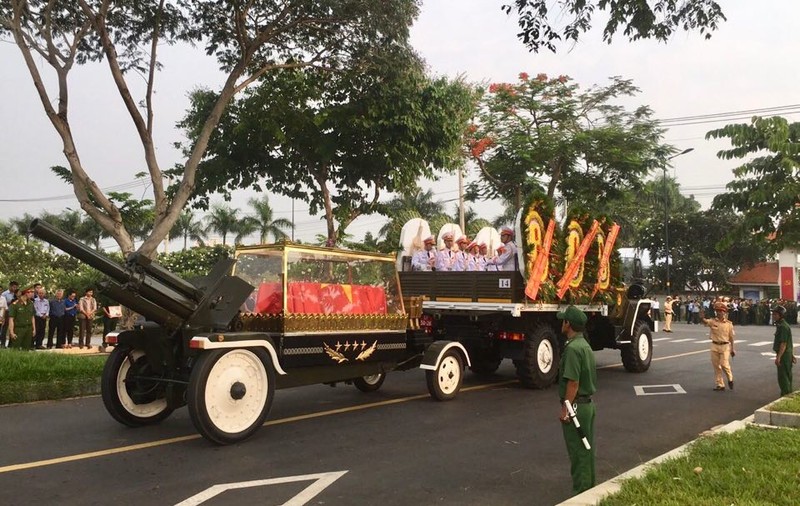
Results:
x,y
21,324
784,353
576,384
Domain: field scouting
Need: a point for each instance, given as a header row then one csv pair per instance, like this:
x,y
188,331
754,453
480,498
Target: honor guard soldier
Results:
x,y
21,324
462,255
507,260
425,259
446,257
577,380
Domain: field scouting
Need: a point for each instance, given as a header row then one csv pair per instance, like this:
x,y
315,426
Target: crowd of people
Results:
x,y
466,255
28,315
693,310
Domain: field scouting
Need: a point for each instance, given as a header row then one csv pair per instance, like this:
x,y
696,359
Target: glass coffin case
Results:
x,y
300,288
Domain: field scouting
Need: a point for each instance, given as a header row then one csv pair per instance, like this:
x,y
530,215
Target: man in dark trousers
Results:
x,y
784,352
577,382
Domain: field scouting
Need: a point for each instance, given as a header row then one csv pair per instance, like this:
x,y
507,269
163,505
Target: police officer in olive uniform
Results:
x,y
576,383
21,324
784,353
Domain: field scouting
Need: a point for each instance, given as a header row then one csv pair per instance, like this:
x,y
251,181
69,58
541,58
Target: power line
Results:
x,y
729,113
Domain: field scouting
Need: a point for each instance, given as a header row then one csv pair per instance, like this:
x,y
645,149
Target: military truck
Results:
x,y
275,316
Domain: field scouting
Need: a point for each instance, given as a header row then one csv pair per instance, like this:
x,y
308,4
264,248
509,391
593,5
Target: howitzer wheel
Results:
x,y
370,383
636,357
230,393
128,396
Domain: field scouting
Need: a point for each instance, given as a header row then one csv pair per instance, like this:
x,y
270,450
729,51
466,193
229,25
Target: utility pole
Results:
x,y
666,214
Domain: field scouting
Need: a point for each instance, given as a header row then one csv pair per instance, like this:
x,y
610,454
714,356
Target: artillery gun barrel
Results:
x,y
140,285
164,276
70,245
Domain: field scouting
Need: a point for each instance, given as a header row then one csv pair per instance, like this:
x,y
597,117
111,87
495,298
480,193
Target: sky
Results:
x,y
746,65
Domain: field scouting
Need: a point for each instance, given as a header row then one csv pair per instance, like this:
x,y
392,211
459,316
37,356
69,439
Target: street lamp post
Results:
x,y
666,213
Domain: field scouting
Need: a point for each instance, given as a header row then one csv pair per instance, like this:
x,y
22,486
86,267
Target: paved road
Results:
x,y
496,444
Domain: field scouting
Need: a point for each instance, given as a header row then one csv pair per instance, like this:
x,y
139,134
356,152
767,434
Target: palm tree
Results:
x,y
266,225
187,227
222,219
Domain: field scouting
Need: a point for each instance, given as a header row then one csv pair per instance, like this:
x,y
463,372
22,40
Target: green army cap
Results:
x,y
574,316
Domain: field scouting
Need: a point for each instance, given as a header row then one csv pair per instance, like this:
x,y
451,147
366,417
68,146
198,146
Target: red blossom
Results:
x,y
541,77
563,79
523,76
477,147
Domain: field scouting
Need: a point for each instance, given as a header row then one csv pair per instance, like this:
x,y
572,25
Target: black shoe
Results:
x,y
730,384
719,389
41,348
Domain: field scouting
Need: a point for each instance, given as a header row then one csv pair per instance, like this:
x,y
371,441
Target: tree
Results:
x,y
547,133
266,224
248,40
638,19
766,191
222,220
337,142
187,227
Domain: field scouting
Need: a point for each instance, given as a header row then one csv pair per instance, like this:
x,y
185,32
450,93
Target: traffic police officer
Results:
x,y
722,335
577,382
784,353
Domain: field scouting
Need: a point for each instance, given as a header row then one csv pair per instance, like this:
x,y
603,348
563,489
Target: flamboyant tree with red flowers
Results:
x,y
547,133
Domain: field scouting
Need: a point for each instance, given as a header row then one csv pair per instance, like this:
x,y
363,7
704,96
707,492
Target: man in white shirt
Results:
x,y
462,256
445,258
507,260
424,259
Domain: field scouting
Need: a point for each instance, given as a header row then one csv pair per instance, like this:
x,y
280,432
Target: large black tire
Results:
x,y
636,357
484,363
539,368
370,383
230,393
132,402
445,382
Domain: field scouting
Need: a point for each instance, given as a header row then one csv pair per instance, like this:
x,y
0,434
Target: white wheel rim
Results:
x,y
236,367
139,410
644,347
372,379
544,355
448,375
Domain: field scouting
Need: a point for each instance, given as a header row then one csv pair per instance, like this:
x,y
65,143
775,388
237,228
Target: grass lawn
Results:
x,y
750,467
788,404
30,376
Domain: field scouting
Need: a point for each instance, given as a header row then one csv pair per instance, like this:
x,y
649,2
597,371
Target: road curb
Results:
x,y
594,495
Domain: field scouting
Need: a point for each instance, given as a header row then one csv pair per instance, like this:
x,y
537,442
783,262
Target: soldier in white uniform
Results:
x,y
462,255
475,261
446,257
507,260
424,259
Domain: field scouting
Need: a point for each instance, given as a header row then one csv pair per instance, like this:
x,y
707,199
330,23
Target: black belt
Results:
x,y
581,399
719,342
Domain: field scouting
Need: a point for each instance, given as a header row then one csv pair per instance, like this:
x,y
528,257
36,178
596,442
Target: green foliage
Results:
x,y
637,19
765,196
547,134
788,404
29,376
195,262
338,140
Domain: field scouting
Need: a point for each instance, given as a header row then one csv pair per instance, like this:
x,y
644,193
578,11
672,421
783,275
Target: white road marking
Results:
x,y
682,340
673,389
768,354
321,482
701,341
662,339
760,343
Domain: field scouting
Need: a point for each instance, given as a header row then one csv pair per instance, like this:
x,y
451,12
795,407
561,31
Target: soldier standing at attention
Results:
x,y
721,335
424,259
445,258
21,325
576,383
507,260
668,312
784,352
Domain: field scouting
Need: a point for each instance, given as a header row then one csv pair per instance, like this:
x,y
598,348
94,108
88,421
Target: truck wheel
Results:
x,y
370,383
445,382
230,393
636,356
539,368
128,396
484,364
